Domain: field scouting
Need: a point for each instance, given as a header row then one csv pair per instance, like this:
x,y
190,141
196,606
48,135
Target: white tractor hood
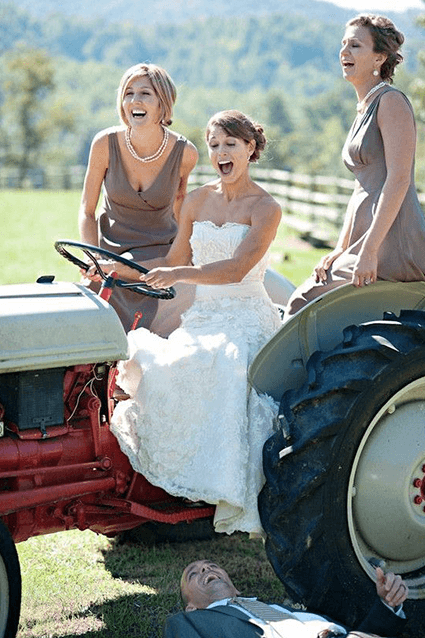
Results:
x,y
51,325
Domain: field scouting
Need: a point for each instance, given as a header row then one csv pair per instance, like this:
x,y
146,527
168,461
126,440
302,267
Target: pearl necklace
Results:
x,y
362,102
151,158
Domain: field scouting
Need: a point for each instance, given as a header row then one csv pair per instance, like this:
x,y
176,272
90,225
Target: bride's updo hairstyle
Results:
x,y
386,39
237,124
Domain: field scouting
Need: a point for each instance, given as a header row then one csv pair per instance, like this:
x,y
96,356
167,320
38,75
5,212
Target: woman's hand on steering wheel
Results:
x,y
98,269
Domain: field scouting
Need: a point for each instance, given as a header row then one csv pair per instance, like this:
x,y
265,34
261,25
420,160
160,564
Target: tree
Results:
x,y
28,115
418,94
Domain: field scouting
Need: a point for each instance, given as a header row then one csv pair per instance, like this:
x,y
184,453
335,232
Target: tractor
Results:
x,y
345,469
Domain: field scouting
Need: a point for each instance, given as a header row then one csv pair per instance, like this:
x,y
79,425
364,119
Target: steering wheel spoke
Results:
x,y
141,288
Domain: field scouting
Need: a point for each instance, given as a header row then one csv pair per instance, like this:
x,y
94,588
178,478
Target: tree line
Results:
x,y
59,79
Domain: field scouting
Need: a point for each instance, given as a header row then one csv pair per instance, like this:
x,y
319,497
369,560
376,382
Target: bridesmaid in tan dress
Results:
x,y
144,168
383,236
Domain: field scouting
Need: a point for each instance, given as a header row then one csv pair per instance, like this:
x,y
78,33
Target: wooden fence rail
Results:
x,y
312,205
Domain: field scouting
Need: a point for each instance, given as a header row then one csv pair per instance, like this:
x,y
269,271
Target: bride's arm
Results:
x,y
264,223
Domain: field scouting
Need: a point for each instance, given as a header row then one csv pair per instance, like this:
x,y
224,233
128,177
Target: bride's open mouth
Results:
x,y
225,167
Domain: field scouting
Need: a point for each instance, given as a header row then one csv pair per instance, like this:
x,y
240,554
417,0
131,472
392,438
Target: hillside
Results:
x,y
280,67
166,11
266,50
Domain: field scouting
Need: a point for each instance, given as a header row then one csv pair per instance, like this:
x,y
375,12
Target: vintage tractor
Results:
x,y
345,470
60,466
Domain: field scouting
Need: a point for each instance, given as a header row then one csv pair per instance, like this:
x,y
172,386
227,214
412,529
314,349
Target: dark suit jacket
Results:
x,y
228,622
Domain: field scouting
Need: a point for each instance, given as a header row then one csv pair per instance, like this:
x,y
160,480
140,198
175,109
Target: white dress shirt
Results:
x,y
312,623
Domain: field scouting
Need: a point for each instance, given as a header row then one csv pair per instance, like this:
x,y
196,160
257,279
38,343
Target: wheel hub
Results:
x,y
386,504
420,486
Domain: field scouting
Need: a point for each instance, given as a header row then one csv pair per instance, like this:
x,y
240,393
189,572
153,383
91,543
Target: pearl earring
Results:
x,y
375,72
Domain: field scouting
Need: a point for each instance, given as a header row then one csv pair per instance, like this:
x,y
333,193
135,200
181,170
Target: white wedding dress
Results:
x,y
193,426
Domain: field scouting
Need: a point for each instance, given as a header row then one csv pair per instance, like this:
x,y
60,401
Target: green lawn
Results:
x,y
77,583
33,220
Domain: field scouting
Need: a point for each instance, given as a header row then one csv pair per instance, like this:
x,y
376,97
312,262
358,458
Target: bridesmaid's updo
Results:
x,y
239,125
386,39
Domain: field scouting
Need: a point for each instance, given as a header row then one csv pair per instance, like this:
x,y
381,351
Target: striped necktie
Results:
x,y
283,622
262,610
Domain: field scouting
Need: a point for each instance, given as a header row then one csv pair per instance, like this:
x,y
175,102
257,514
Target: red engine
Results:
x,y
72,474
60,466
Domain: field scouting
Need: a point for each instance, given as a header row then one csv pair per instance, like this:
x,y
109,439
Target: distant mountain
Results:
x,y
275,59
171,11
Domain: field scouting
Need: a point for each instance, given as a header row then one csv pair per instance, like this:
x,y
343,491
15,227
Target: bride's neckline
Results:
x,y
226,224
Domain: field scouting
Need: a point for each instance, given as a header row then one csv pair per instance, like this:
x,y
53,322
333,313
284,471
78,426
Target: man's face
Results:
x,y
204,582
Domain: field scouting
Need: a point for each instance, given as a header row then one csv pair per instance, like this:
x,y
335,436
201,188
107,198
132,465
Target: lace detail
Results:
x,y
211,243
194,427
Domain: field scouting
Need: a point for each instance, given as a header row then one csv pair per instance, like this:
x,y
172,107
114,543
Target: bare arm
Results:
x,y
264,223
396,123
327,260
98,164
180,252
190,157
96,169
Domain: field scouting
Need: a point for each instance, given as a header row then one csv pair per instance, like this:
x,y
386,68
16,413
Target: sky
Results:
x,y
380,5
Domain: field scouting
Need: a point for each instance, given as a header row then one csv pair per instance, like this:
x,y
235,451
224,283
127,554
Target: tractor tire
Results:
x,y
10,585
350,491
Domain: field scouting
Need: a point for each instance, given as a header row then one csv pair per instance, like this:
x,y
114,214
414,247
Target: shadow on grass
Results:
x,y
129,616
158,568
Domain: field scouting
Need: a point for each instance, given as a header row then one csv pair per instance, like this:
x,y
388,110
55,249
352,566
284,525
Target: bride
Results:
x,y
192,425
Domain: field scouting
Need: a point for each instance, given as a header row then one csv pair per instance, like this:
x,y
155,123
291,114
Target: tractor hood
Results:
x,y
51,325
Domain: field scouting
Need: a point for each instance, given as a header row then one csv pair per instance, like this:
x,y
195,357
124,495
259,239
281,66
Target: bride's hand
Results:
x,y
160,277
320,271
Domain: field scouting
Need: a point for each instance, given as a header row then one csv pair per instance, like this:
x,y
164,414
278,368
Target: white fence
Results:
x,y
313,205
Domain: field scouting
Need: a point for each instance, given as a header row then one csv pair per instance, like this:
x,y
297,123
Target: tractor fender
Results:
x,y
281,364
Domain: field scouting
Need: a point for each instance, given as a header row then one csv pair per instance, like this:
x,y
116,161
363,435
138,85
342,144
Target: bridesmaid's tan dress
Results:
x,y
140,225
402,253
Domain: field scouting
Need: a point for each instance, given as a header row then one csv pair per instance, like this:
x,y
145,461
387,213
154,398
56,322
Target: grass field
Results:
x,y
33,220
77,583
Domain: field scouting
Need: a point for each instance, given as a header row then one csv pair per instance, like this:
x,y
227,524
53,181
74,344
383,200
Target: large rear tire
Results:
x,y
10,585
352,490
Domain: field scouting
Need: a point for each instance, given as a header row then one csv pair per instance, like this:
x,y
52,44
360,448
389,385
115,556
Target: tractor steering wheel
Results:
x,y
91,251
